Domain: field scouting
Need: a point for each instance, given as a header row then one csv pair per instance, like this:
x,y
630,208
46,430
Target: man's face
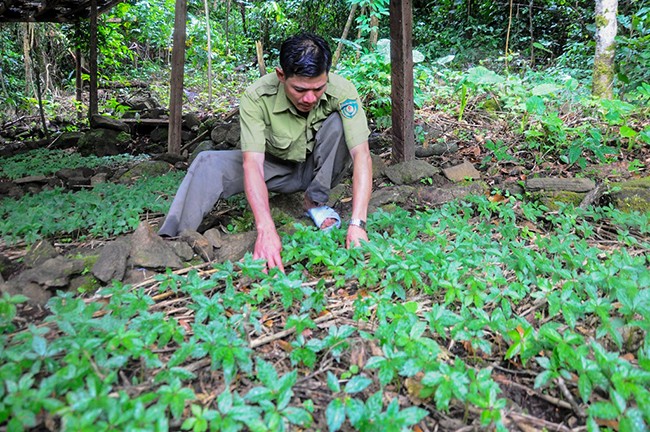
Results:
x,y
303,92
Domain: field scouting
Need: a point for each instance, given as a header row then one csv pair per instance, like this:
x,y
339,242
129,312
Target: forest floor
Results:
x,y
329,341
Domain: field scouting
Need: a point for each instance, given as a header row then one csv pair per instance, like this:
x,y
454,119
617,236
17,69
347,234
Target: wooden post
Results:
x,y
176,85
93,107
261,65
401,57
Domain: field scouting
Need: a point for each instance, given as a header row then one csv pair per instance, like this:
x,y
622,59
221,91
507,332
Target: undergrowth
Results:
x,y
106,210
46,162
437,299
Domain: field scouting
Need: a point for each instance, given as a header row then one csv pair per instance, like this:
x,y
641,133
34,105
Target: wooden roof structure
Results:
x,y
61,11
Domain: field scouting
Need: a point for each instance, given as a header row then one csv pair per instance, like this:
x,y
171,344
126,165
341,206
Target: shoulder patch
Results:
x,y
349,108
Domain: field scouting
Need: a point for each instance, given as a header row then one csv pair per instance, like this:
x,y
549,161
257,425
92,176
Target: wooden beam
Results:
x,y
176,84
401,57
93,106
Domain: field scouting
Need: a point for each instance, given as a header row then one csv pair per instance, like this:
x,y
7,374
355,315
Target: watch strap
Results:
x,y
358,222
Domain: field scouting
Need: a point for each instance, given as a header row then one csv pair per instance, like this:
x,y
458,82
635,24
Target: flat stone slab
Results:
x,y
560,184
462,172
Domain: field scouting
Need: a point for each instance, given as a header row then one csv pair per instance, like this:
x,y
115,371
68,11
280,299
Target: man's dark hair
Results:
x,y
305,55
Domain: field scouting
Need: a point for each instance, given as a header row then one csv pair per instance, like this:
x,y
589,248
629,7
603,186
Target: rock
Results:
x,y
560,184
434,196
7,267
53,273
219,133
462,172
151,251
235,246
75,177
112,261
170,158
182,250
390,195
378,142
99,178
198,243
146,169
288,205
32,179
191,121
101,122
436,149
214,237
410,172
68,139
10,189
187,136
104,142
203,146
39,253
137,275
632,195
378,166
233,135
160,134
83,284
36,294
142,103
552,199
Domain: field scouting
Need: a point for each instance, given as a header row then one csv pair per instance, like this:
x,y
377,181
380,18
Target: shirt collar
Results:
x,y
282,102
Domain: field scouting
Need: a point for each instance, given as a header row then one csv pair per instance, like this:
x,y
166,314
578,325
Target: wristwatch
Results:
x,y
358,222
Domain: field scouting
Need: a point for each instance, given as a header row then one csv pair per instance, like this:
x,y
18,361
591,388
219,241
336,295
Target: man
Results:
x,y
299,129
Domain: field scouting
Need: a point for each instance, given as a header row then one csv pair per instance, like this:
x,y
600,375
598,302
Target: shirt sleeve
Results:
x,y
251,120
355,124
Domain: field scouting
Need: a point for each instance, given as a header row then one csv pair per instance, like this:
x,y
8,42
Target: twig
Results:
x,y
553,400
577,409
280,335
195,140
538,423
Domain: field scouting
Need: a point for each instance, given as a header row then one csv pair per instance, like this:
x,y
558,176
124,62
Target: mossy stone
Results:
x,y
632,195
551,199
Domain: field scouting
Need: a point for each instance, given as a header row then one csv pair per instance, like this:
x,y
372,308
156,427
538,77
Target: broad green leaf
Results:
x,y
297,416
335,414
357,384
627,132
544,89
480,75
333,382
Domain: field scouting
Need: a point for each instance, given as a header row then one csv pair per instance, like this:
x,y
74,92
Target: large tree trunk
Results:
x,y
603,77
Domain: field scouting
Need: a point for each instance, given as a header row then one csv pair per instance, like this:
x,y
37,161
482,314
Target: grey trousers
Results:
x,y
219,174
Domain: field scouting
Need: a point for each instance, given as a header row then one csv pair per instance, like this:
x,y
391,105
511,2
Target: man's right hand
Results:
x,y
268,247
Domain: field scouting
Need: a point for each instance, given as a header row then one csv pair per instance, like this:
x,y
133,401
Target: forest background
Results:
x,y
496,312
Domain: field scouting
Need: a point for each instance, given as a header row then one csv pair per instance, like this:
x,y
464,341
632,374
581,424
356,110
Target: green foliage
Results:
x,y
475,259
105,210
47,162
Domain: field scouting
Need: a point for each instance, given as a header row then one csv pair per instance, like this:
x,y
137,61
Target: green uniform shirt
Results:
x,y
271,123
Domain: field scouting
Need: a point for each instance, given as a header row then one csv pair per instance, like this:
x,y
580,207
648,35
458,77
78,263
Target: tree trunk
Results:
x,y
29,76
207,29
348,24
603,78
363,12
374,33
